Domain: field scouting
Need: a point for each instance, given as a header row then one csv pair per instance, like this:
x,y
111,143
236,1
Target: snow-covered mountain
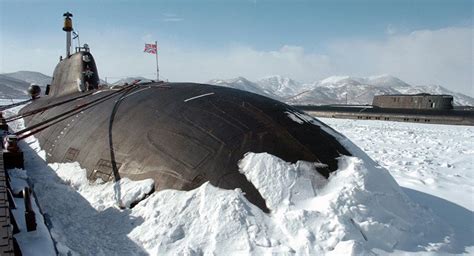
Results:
x,y
245,85
336,89
278,85
15,85
345,89
355,90
30,77
386,81
332,90
459,98
12,88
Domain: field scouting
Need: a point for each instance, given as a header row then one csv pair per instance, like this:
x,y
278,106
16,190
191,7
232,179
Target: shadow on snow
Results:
x,y
74,224
458,217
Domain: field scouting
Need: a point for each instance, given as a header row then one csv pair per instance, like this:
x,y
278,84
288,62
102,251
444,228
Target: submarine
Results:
x,y
178,134
416,108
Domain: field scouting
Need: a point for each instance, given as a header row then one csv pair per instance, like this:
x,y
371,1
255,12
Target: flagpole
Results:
x,y
157,68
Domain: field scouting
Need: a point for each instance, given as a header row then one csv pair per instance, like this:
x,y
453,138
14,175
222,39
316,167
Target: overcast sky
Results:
x,y
421,42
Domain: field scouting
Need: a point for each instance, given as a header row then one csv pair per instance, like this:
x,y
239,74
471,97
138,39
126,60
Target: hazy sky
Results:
x,y
421,42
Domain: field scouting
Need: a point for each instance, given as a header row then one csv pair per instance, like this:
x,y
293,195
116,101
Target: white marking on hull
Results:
x,y
199,96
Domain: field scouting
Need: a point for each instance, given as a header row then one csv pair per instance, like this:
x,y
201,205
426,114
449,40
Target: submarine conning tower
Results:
x,y
77,71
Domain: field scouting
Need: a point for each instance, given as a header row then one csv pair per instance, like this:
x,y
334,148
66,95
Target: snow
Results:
x,y
123,193
279,182
386,80
432,163
34,241
31,77
428,157
83,217
334,79
360,209
241,83
361,205
278,85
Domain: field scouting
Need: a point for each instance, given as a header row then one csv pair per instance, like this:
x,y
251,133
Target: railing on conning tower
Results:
x,y
84,48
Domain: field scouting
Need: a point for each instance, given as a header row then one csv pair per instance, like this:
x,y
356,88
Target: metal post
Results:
x,y
30,216
68,29
157,68
68,44
78,39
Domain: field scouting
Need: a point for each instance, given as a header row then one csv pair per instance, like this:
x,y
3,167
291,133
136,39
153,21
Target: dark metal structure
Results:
x,y
461,116
76,73
180,135
414,101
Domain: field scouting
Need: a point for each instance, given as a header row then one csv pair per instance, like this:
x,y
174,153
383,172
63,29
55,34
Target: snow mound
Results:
x,y
123,193
359,210
280,183
361,207
207,220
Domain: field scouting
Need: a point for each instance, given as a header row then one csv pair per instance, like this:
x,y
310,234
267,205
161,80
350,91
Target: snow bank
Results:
x,y
361,209
281,183
123,193
207,220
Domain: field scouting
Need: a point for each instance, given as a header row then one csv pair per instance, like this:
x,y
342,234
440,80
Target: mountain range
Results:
x,y
336,89
332,90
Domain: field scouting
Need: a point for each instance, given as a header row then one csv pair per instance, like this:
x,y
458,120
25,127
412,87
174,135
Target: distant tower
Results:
x,y
68,28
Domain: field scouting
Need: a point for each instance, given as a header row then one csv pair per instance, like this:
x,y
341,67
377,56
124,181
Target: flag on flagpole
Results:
x,y
151,48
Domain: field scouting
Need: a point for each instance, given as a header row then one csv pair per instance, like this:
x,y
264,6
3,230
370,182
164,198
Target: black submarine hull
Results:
x,y
180,135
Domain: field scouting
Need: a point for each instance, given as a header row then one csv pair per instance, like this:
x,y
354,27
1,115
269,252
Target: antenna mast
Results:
x,y
68,28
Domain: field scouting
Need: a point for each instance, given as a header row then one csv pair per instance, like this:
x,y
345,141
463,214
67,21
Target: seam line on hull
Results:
x,y
128,95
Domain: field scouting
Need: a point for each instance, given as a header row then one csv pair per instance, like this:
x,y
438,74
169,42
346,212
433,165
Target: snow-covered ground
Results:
x,y
360,210
434,165
431,158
